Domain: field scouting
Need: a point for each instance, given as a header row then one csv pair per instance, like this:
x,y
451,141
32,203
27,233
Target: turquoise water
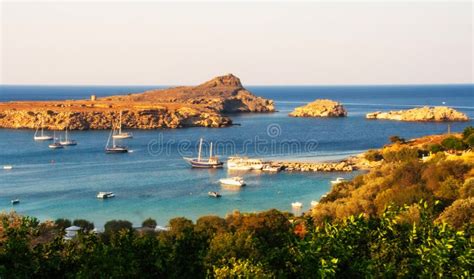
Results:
x,y
154,181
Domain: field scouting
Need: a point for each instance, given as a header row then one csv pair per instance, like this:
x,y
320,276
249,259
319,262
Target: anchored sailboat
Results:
x,y
211,162
120,134
55,144
67,141
42,136
114,148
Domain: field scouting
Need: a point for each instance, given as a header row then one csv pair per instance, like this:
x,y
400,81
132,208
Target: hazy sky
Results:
x,y
114,43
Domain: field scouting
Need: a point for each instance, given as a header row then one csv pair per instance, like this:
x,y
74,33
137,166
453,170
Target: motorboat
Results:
x,y
213,194
270,168
67,141
338,180
41,136
233,181
209,163
7,167
55,144
244,163
105,195
296,205
119,134
15,201
114,148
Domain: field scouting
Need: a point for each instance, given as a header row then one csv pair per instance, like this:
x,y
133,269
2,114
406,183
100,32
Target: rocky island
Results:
x,y
436,114
320,108
185,106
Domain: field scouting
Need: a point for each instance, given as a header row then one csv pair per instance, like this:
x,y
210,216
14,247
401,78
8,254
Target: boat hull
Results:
x,y
43,138
115,150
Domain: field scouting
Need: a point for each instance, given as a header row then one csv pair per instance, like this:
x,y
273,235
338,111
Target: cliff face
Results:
x,y
202,105
421,114
320,108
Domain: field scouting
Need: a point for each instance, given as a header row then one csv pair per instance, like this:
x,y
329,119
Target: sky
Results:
x,y
263,43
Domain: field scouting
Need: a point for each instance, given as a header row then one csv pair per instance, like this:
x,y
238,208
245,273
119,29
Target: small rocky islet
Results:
x,y
320,108
204,105
434,114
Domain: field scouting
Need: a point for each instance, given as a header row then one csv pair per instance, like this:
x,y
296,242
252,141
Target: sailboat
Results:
x,y
114,148
55,144
211,162
42,136
67,141
120,134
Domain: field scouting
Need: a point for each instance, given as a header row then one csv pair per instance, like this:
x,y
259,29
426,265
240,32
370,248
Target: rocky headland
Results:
x,y
320,108
436,114
186,106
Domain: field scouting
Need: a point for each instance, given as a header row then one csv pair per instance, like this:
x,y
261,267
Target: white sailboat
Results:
x,y
67,141
42,136
120,134
55,144
114,148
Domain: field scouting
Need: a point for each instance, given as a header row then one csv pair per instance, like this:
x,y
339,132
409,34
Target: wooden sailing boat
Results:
x,y
211,162
120,134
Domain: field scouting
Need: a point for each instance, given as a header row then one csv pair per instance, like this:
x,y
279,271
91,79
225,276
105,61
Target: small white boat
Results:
x,y
105,195
120,134
244,163
314,203
15,201
234,181
42,136
7,167
338,180
213,194
296,205
240,168
270,168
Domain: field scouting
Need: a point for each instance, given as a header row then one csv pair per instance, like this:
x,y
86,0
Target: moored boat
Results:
x,y
214,194
7,167
67,141
15,201
244,163
338,180
209,163
120,134
105,195
270,168
233,181
55,144
114,148
296,205
42,136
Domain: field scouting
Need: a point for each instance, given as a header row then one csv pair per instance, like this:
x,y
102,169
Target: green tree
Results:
x,y
453,143
62,223
115,226
149,223
468,131
84,224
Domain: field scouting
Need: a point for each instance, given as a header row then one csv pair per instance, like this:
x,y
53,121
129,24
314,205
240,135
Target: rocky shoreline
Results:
x,y
204,105
342,166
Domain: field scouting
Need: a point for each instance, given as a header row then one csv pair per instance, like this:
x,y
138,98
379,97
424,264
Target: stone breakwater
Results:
x,y
436,114
320,108
342,166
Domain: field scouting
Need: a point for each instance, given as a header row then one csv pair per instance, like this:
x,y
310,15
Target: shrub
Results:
x,y
373,155
435,148
453,143
84,224
115,226
396,139
460,213
149,223
470,141
402,155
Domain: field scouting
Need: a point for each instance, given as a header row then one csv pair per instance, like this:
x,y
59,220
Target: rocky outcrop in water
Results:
x,y
320,108
421,114
203,105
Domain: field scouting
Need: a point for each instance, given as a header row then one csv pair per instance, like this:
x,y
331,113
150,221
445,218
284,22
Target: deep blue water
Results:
x,y
154,181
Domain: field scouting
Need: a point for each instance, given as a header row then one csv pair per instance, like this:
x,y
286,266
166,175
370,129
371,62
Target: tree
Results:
x,y
62,223
149,223
115,226
468,131
373,155
396,139
470,141
83,224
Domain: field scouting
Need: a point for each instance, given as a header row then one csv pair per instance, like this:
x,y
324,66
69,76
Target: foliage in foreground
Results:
x,y
264,245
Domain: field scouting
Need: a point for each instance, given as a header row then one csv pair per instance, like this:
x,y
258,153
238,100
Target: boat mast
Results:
x,y
108,139
199,153
120,124
210,153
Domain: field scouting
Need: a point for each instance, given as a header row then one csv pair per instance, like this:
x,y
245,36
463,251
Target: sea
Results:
x,y
154,181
